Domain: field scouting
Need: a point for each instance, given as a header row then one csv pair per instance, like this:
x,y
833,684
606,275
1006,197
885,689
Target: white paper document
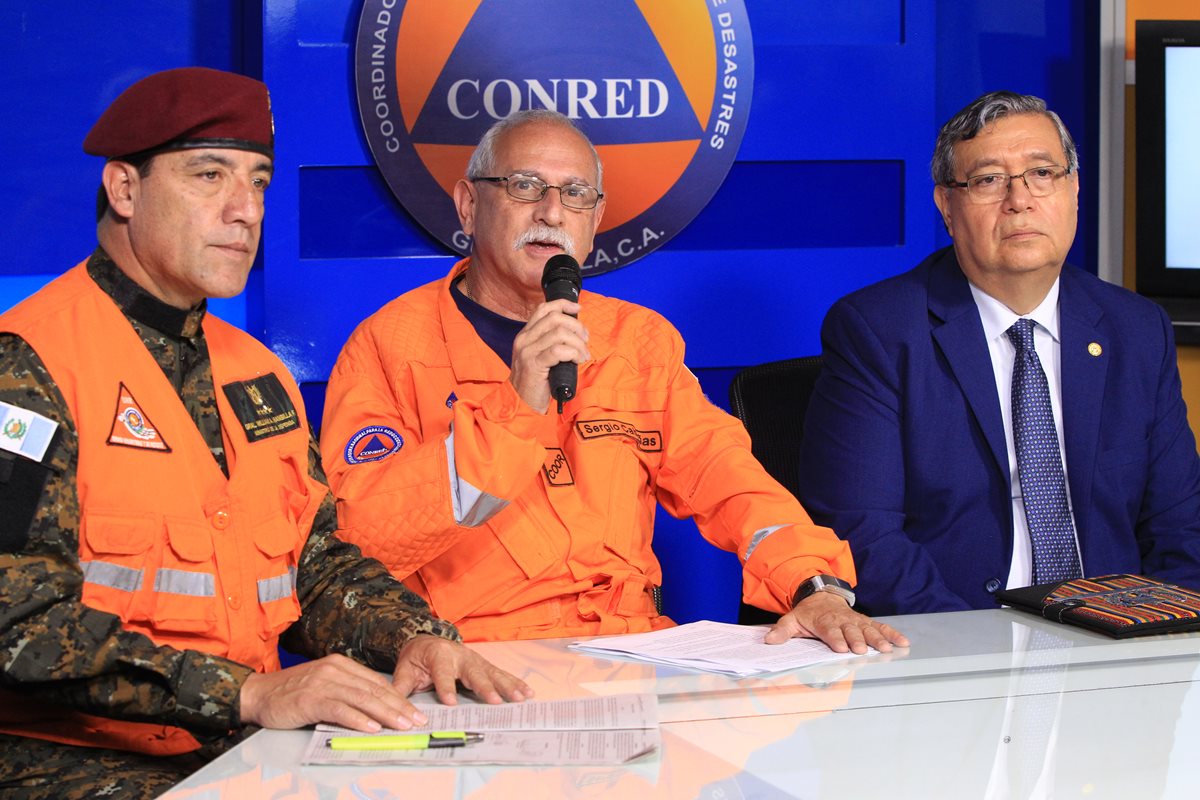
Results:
x,y
736,650
590,731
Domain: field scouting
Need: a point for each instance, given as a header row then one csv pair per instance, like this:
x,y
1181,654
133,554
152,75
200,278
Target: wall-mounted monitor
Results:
x,y
1168,168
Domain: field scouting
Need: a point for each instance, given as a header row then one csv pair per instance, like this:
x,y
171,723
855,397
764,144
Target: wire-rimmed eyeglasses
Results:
x,y
528,189
993,187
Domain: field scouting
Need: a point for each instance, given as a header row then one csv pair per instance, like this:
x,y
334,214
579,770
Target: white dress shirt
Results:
x,y
997,318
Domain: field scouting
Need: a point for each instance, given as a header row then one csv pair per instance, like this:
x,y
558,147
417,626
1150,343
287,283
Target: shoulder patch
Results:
x,y
132,428
372,443
25,433
263,407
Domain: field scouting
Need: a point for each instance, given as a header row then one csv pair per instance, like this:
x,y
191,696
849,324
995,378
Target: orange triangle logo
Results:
x,y
132,428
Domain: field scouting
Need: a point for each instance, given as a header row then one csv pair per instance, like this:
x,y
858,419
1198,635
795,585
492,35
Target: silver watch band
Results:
x,y
824,583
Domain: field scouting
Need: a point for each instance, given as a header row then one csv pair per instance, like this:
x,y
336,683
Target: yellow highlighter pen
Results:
x,y
407,741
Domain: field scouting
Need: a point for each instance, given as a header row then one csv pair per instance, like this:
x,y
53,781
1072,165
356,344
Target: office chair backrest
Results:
x,y
771,400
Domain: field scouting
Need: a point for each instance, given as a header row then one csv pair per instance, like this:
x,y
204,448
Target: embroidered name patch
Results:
x,y
24,432
132,427
262,406
646,441
372,443
558,471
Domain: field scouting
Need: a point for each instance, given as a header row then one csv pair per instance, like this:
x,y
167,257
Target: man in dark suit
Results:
x,y
912,448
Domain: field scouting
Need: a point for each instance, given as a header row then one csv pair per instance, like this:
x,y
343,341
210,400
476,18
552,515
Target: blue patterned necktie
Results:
x,y
1039,464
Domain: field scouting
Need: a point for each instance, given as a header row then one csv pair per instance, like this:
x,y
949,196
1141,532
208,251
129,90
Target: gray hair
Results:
x,y
983,111
483,160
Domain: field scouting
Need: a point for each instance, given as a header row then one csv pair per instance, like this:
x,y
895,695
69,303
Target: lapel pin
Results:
x,y
1095,349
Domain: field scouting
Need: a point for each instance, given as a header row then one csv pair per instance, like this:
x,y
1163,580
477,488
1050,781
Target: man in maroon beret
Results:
x,y
165,516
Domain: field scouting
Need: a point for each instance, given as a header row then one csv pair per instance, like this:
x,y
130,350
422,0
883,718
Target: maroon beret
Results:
x,y
185,108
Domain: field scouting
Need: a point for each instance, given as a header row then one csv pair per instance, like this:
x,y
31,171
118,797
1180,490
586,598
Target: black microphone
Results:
x,y
561,280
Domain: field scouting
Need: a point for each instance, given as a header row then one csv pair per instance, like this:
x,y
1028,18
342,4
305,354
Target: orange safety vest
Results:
x,y
179,552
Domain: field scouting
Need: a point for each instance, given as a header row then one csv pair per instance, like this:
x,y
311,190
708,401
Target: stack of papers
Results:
x,y
736,650
591,731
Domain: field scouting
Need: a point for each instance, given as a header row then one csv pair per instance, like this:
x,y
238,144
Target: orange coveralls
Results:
x,y
515,524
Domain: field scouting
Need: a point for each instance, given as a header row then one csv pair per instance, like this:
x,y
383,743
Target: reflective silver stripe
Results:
x,y
758,537
277,588
472,507
178,581
114,576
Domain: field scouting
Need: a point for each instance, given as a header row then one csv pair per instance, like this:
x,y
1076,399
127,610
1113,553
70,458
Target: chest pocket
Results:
x,y
615,449
185,583
278,546
116,556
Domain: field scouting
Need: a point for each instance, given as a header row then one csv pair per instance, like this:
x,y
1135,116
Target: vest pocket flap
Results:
x,y
124,535
276,537
280,543
190,542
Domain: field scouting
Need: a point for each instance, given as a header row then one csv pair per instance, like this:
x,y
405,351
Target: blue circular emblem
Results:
x,y
372,443
662,89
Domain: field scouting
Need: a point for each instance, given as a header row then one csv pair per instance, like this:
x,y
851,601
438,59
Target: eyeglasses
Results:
x,y
528,189
993,187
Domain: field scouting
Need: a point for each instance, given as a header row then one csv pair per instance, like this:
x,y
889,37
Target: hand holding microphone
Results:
x,y
553,342
561,280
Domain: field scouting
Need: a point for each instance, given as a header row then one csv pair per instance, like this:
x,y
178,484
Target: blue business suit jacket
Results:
x,y
904,452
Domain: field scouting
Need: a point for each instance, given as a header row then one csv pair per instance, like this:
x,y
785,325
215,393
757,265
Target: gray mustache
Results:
x,y
544,233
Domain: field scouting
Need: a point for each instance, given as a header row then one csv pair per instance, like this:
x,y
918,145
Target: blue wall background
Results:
x,y
830,191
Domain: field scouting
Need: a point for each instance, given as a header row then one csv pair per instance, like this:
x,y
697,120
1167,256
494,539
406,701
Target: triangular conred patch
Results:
x,y
132,428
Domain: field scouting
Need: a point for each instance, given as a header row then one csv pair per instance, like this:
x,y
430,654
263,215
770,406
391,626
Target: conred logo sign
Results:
x,y
661,87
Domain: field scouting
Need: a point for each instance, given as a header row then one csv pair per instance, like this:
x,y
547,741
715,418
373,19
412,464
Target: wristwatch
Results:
x,y
824,583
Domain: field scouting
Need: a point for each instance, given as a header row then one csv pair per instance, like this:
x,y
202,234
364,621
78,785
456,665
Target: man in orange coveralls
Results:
x,y
515,521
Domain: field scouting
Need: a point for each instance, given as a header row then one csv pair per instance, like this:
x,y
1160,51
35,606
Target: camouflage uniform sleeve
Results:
x,y
351,604
55,648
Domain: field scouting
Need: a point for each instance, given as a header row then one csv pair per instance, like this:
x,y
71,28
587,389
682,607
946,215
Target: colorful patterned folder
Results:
x,y
1117,605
